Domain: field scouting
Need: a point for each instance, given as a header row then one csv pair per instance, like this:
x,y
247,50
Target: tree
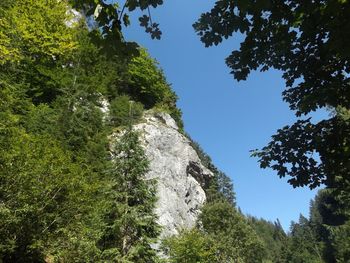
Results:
x,y
341,242
324,236
32,29
309,42
191,246
329,220
123,111
131,225
41,191
148,84
222,235
236,239
273,236
304,246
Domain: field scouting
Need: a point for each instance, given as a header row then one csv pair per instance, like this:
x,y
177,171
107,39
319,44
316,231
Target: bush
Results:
x,y
123,111
191,246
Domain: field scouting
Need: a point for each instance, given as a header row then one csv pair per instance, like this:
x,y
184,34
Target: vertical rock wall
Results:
x,y
179,173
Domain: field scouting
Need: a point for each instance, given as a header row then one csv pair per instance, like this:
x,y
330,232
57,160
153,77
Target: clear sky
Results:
x,y
226,117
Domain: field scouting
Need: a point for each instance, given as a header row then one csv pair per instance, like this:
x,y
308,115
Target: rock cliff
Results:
x,y
181,178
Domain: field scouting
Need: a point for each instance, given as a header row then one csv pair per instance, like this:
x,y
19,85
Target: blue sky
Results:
x,y
226,117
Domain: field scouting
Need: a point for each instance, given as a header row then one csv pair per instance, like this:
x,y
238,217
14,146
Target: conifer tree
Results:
x,y
131,223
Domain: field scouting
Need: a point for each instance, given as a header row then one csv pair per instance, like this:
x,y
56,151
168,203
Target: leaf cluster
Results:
x,y
110,16
309,43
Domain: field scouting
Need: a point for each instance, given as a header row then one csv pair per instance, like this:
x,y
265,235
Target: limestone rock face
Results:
x,y
178,170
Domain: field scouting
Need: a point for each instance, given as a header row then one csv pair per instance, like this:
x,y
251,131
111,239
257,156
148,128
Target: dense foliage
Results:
x,y
322,237
275,240
24,36
222,235
62,198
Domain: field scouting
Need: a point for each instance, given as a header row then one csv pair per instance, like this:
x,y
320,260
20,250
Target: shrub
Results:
x,y
123,111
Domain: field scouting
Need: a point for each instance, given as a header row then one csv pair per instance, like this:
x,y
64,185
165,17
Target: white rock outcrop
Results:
x,y
178,170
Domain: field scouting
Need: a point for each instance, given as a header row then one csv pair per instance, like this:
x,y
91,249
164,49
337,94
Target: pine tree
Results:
x,y
131,223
